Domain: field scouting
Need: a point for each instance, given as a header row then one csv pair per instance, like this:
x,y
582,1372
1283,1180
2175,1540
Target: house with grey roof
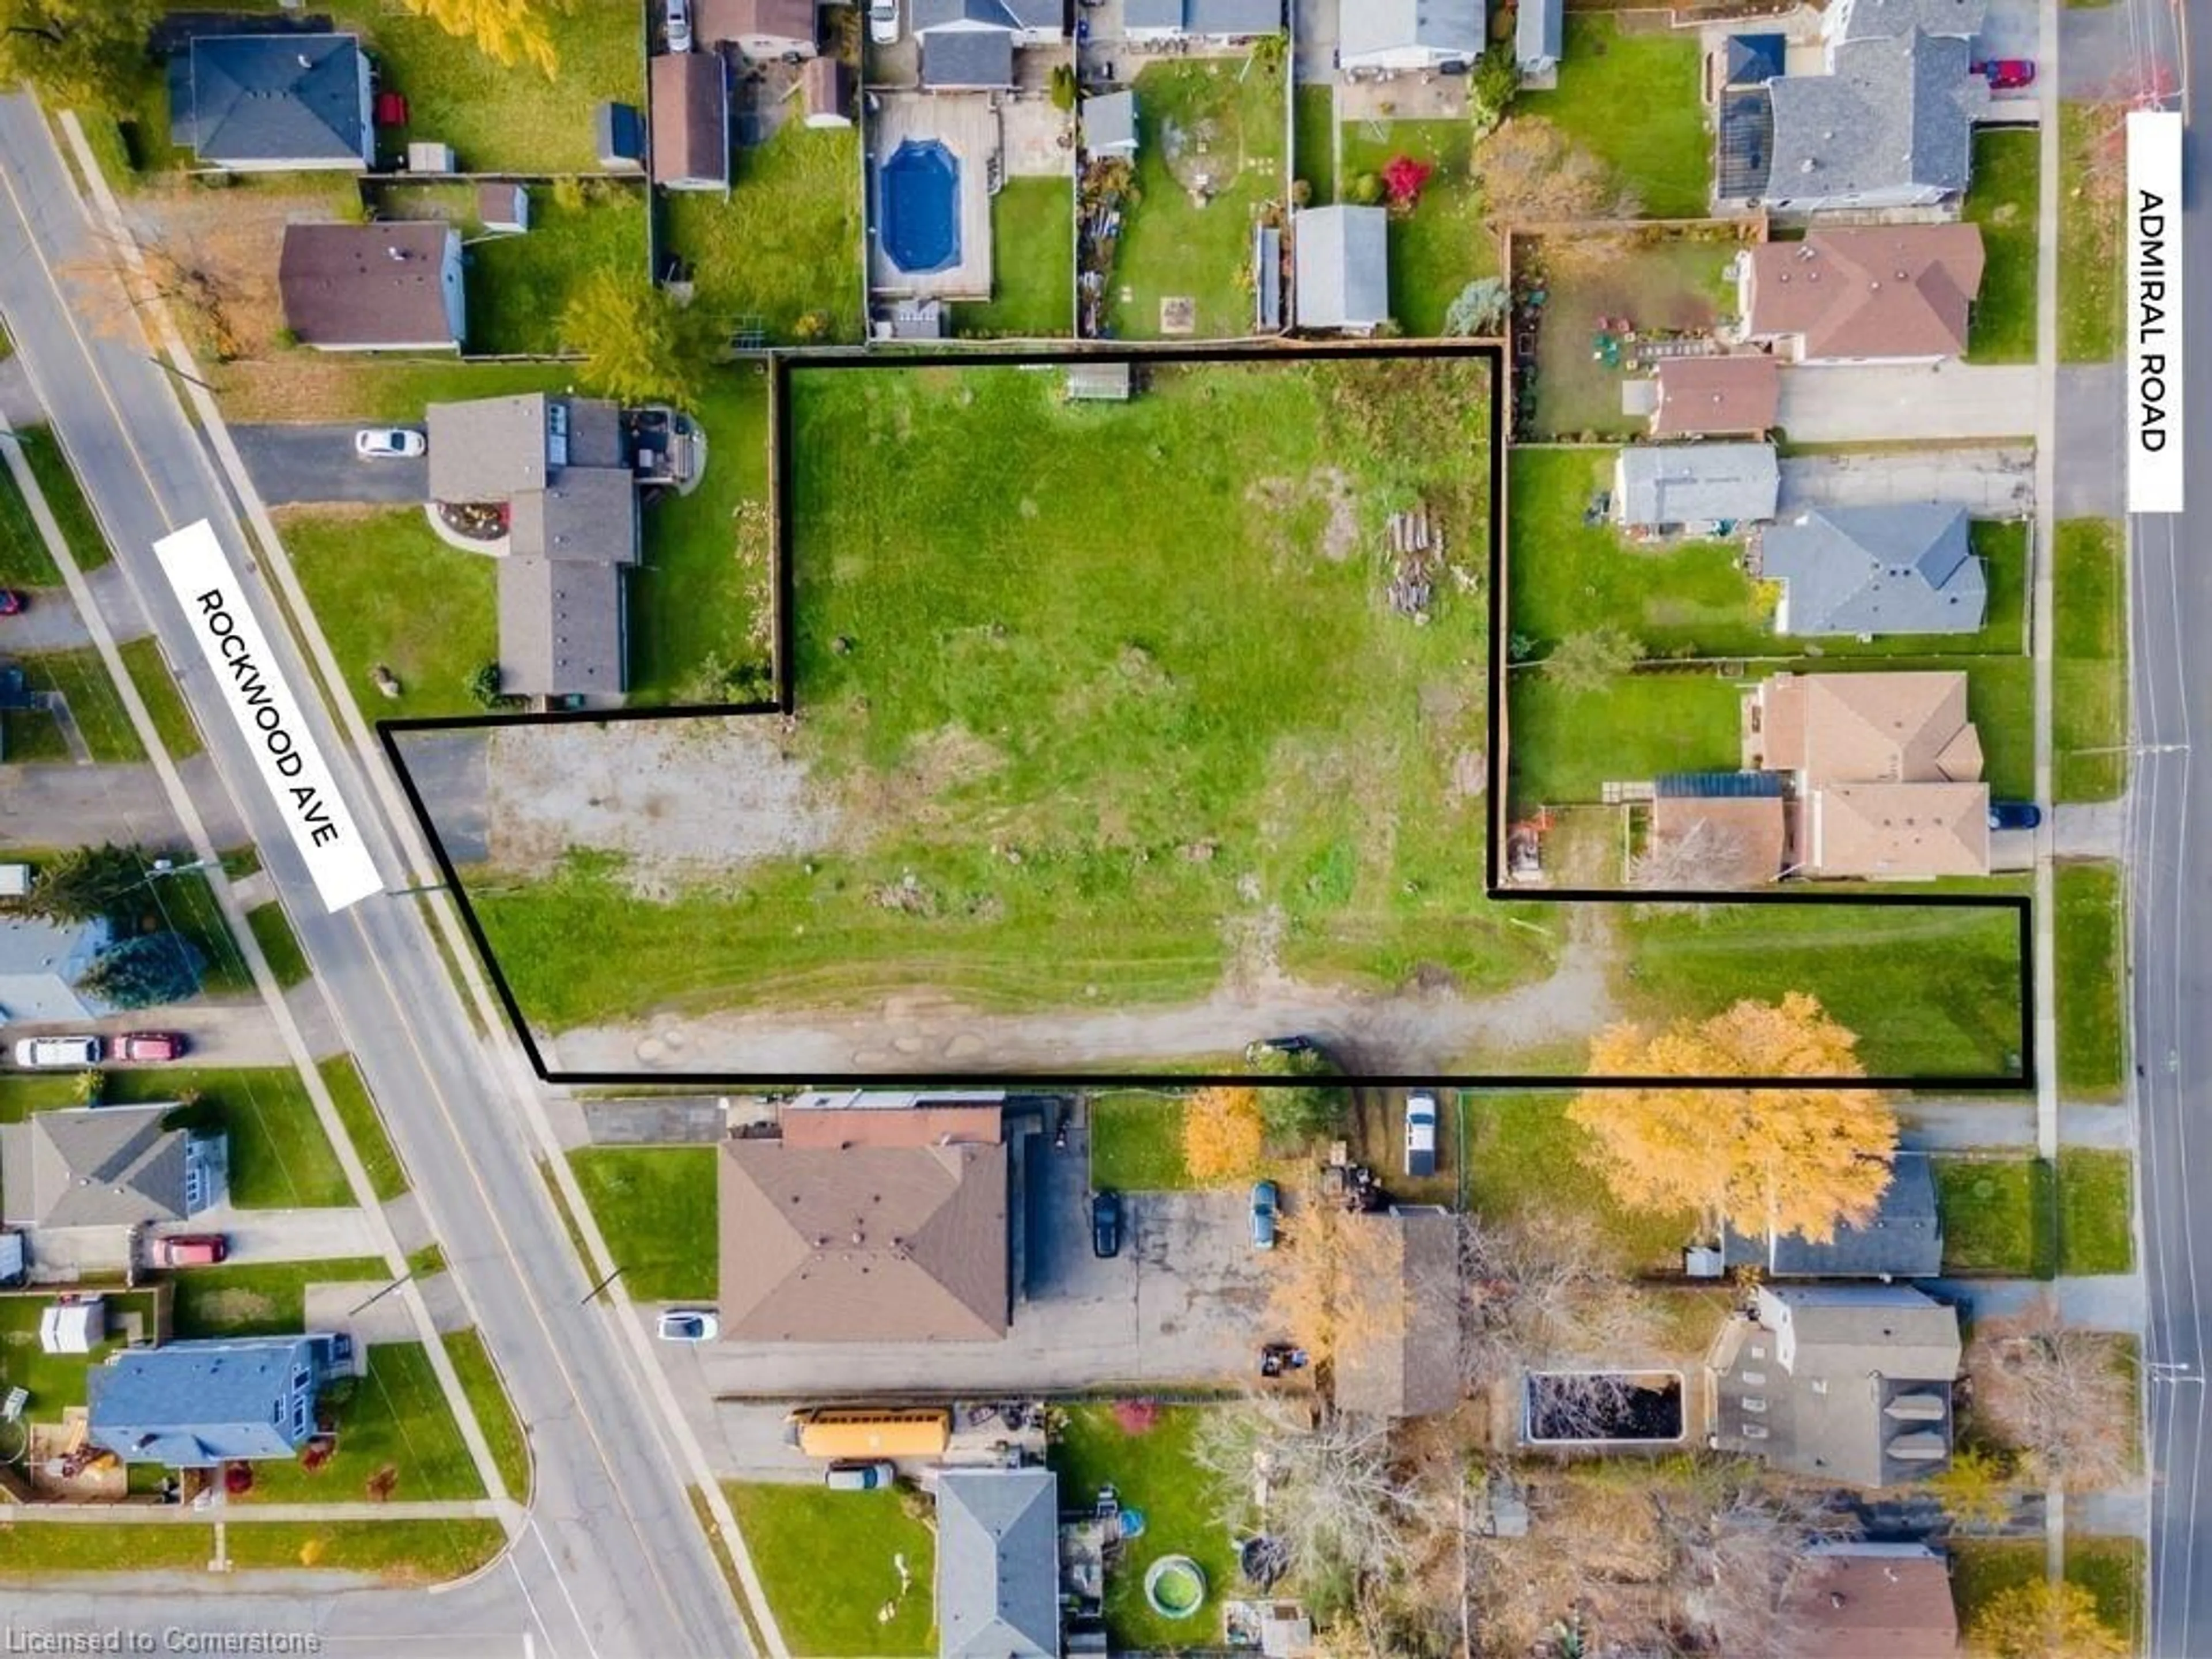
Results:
x,y
1891,125
1907,568
562,469
1903,1239
1880,20
108,1166
998,1564
193,1405
1849,1383
970,43
1342,258
1156,22
41,962
1109,124
1672,488
273,103
1393,36
1539,36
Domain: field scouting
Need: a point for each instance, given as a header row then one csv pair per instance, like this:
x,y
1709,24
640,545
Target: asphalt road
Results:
x,y
296,465
612,1561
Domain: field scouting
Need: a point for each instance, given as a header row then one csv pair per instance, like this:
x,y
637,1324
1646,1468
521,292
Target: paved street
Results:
x,y
1856,403
612,1561
1991,481
295,465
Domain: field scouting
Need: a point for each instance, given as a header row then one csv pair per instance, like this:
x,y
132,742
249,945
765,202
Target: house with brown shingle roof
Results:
x,y
1885,770
1851,1600
892,1233
1717,396
690,131
1885,293
1406,1362
373,288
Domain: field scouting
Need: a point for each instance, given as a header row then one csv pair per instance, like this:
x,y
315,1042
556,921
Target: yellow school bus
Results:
x,y
871,1431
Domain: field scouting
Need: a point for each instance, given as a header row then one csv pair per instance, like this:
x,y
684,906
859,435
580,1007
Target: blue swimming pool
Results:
x,y
918,206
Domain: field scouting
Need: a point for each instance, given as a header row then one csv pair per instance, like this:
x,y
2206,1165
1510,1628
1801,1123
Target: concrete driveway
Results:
x,y
300,464
1992,482
1867,403
324,1235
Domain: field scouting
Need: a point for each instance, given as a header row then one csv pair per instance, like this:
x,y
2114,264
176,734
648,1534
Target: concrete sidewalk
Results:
x,y
1972,1125
2094,1302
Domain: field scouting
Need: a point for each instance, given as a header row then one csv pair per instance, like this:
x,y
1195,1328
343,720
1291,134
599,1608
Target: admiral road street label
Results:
x,y
2153,302
267,714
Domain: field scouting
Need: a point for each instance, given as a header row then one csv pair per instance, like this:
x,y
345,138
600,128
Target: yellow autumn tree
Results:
x,y
1800,1160
1327,1291
508,32
1222,1130
2039,1619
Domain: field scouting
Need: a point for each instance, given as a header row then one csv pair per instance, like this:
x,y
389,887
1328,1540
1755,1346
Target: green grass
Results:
x,y
397,1552
516,286
825,1559
656,1207
1678,282
265,1300
1152,1472
1313,138
1171,249
2096,1212
81,679
1443,245
1997,1214
494,1412
1665,153
1136,1141
2004,203
1033,263
2091,254
57,483
272,930
40,1550
1509,1136
1984,1568
321,386
2092,1000
57,1381
397,1416
183,901
164,704
387,590
388,1177
2089,672
786,242
24,560
702,593
2112,1570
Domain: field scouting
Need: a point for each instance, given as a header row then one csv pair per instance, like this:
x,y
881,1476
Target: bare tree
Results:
x,y
1737,1567
1705,857
1541,1294
2059,1394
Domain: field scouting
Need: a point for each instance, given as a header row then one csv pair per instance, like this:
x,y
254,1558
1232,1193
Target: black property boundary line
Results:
x,y
784,365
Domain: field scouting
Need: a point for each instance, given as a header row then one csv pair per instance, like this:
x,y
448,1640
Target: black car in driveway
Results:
x,y
1105,1224
2014,815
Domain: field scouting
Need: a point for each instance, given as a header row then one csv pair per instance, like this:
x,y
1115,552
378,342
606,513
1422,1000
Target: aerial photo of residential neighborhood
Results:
x,y
1003,829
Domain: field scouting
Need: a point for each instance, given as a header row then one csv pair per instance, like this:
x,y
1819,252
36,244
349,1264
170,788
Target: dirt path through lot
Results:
x,y
916,1034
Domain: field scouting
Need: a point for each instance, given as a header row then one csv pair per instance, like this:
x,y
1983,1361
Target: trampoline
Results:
x,y
918,212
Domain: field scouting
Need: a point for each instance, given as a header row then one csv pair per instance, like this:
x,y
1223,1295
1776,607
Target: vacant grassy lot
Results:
x,y
387,1177
24,560
1997,1214
164,705
656,1206
267,1300
2089,679
387,591
2091,254
1507,1135
1136,1141
2096,1212
81,678
1033,263
2003,203
2091,999
494,1412
1676,283
1443,245
827,1559
516,286
272,929
1222,121
700,599
1152,1472
394,1417
1665,154
782,250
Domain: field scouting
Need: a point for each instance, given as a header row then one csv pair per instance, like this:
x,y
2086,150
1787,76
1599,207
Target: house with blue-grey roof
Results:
x,y
1905,568
1398,36
40,963
1539,36
998,1564
970,43
1891,125
1667,488
273,103
1342,260
1158,21
1879,20
193,1405
1903,1239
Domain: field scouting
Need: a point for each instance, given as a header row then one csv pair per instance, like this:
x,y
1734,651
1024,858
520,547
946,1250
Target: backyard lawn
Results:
x,y
1151,1470
2004,203
1678,283
1216,122
1443,245
2096,1211
1032,265
57,1380
1997,1214
2091,999
2090,252
1665,154
1566,745
266,1300
164,704
1313,138
2089,676
387,591
516,286
395,1416
656,1206
782,250
1510,1135
1136,1141
828,1560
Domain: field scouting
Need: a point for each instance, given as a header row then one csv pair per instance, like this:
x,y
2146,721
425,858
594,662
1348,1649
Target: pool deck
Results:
x,y
967,124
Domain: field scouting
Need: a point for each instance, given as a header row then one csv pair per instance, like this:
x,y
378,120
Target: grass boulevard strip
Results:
x,y
1318,728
